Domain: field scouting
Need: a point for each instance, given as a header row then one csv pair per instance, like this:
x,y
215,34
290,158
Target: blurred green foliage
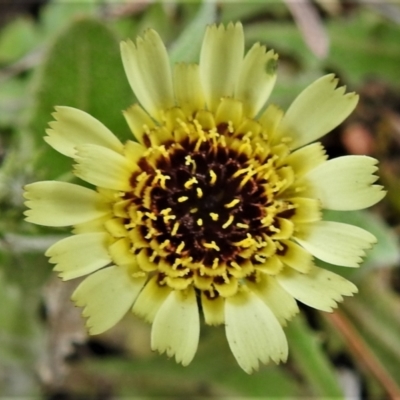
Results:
x,y
69,55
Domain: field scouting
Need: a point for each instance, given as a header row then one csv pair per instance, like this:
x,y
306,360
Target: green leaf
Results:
x,y
83,70
365,45
187,47
213,368
312,362
16,39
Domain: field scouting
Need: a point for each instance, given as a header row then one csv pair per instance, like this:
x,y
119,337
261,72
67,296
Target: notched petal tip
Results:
x,y
317,110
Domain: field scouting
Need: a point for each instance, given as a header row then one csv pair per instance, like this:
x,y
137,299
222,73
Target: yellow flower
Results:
x,y
216,209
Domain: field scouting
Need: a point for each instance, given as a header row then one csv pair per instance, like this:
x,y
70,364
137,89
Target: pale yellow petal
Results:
x,y
281,303
345,183
270,120
80,255
103,167
73,127
335,242
62,204
229,111
295,256
176,326
188,90
306,210
220,60
253,332
149,74
306,158
106,296
150,299
213,309
256,79
121,254
139,122
319,288
316,111
94,225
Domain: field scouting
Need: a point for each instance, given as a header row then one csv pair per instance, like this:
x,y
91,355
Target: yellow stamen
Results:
x,y
151,232
180,247
164,244
244,226
141,176
232,203
190,161
190,183
194,210
165,211
235,265
214,216
200,222
227,223
213,176
260,259
160,178
215,263
175,229
153,256
248,242
199,193
241,172
211,245
182,199
151,215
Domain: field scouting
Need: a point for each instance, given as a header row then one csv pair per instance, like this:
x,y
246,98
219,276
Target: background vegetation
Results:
x,y
60,52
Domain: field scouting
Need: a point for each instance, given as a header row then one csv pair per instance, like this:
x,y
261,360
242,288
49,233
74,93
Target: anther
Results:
x,y
153,256
193,210
211,245
165,243
232,203
199,222
235,265
215,263
175,229
151,215
182,199
199,193
213,176
190,183
260,259
227,223
244,226
180,247
214,216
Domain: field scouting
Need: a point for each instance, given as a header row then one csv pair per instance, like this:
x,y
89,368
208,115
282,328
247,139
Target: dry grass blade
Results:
x,y
361,351
310,26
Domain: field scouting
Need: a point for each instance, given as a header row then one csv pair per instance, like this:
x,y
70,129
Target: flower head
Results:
x,y
215,209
